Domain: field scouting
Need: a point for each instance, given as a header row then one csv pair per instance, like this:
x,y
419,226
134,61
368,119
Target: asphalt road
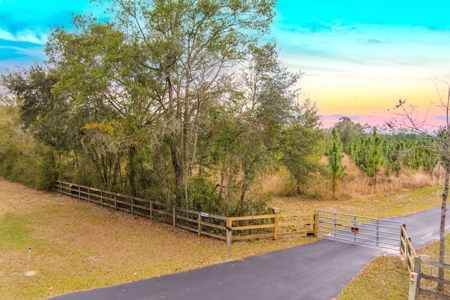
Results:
x,y
314,271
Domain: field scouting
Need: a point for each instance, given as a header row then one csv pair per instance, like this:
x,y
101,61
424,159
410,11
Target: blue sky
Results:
x,y
359,57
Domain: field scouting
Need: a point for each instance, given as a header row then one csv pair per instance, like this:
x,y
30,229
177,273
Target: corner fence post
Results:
x,y
412,286
316,224
275,228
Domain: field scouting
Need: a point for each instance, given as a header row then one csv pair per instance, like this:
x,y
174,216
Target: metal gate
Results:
x,y
358,229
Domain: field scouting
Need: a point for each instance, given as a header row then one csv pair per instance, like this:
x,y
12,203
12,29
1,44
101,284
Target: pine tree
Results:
x,y
374,158
335,161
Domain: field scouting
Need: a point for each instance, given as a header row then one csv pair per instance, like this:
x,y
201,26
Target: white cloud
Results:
x,y
24,36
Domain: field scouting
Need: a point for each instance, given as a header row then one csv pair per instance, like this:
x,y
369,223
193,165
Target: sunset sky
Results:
x,y
359,58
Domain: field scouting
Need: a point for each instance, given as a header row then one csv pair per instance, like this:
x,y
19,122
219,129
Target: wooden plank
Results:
x,y
141,207
187,228
433,294
297,232
284,224
251,218
283,215
108,205
254,227
316,224
229,237
434,278
254,236
199,221
275,228
151,210
214,225
174,216
187,219
108,198
217,217
418,271
161,212
435,263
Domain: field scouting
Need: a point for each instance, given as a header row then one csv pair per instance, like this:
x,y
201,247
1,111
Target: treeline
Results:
x,y
374,153
174,101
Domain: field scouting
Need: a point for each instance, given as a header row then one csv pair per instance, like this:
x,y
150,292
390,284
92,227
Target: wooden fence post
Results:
x,y
418,271
316,224
199,219
89,194
275,229
101,197
115,201
229,232
174,216
132,206
151,210
79,192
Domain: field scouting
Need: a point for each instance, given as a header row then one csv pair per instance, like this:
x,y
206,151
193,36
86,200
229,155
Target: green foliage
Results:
x,y
371,162
137,104
335,167
348,131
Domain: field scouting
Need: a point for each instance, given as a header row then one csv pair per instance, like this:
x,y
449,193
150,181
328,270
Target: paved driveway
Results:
x,y
314,271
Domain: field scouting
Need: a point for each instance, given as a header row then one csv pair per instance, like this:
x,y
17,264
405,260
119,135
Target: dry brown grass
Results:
x,y
77,245
353,185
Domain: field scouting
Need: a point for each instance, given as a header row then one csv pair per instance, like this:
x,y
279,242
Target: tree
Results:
x,y
348,131
157,64
334,154
372,160
409,120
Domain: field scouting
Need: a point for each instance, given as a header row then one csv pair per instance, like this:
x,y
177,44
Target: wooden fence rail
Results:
x,y
406,248
224,228
420,274
200,223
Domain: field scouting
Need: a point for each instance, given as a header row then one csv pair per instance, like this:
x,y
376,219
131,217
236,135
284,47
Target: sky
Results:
x,y
358,58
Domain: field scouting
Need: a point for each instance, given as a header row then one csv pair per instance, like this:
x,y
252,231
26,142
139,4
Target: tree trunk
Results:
x,y
442,226
177,164
132,171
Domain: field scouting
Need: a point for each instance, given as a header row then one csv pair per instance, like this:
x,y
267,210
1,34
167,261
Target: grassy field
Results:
x,y
388,277
77,246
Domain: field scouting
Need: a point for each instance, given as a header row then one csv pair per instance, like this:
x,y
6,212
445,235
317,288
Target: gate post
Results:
x,y
316,224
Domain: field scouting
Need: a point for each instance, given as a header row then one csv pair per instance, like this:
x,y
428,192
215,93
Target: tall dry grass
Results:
x,y
353,185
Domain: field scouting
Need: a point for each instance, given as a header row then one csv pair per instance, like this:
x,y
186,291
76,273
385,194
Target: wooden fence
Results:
x,y
224,228
424,270
198,222
406,248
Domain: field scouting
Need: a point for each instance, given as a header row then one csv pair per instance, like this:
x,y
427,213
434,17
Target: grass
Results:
x,y
386,277
431,252
77,246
